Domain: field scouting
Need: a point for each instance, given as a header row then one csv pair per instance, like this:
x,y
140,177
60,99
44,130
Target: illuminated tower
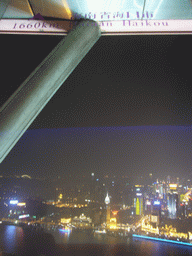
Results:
x,y
107,202
92,187
137,207
172,204
150,179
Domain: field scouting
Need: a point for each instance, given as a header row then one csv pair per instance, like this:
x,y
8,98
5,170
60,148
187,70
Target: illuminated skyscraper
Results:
x,y
137,207
139,199
148,207
108,213
149,181
157,209
92,187
172,203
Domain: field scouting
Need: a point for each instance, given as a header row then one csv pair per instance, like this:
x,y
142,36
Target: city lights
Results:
x,y
114,213
66,220
173,186
21,204
23,216
146,206
156,202
13,202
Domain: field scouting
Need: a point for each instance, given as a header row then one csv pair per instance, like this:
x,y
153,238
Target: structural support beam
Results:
x,y
25,104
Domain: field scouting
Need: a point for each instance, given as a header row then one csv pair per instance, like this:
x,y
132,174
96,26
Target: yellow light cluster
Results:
x,y
172,232
65,220
113,220
21,204
71,205
190,235
173,186
113,223
149,228
60,196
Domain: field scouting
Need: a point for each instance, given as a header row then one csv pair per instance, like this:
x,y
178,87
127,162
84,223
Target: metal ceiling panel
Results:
x,y
97,10
3,6
18,9
52,8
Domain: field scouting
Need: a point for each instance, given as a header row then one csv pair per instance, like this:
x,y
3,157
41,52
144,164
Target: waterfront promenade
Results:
x,y
121,232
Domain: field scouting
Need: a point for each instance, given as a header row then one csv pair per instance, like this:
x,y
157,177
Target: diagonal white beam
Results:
x,y
25,104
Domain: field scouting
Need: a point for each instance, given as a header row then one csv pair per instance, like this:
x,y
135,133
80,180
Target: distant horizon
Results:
x,y
122,150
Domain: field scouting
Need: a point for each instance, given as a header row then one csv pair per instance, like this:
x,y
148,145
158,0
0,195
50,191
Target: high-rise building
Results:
x,y
183,210
172,204
149,179
158,189
148,207
92,187
138,200
137,207
157,209
188,184
108,210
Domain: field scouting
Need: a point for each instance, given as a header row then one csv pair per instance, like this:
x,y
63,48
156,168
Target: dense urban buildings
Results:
x,y
152,206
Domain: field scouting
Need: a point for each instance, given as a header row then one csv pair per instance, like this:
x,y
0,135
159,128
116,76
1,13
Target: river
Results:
x,y
22,242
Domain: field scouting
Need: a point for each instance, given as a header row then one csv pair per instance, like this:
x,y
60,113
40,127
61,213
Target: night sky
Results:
x,y
126,108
